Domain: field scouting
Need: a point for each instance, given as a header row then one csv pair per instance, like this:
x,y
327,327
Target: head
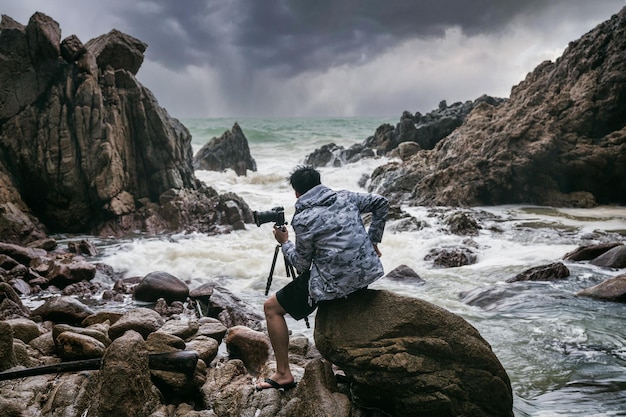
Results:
x,y
303,178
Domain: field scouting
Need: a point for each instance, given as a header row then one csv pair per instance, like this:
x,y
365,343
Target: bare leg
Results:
x,y
279,337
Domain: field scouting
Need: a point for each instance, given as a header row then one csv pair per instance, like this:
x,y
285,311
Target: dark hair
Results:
x,y
303,178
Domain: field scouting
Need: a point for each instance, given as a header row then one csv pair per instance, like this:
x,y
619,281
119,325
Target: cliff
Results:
x,y
85,148
560,139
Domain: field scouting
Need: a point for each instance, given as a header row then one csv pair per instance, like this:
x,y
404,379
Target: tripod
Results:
x,y
291,272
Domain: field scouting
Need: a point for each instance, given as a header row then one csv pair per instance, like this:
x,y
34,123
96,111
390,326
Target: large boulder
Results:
x,y
228,151
409,357
85,148
560,140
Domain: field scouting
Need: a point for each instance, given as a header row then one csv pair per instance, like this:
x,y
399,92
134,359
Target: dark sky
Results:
x,y
261,58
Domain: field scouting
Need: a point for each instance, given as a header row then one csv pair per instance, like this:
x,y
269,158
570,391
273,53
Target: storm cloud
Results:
x,y
240,58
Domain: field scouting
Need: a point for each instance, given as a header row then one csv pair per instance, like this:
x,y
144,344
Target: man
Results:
x,y
334,255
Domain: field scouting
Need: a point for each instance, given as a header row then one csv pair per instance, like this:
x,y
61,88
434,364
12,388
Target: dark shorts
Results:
x,y
294,297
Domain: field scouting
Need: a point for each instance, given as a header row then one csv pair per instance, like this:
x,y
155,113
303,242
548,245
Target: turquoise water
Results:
x,y
565,355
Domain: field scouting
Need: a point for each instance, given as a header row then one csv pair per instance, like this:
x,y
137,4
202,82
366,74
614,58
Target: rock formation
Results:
x,y
84,147
413,132
228,151
560,140
412,358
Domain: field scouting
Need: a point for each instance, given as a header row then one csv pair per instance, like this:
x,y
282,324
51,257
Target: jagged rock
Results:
x,y
228,151
63,99
613,258
117,50
413,358
161,284
462,224
560,140
63,309
556,270
10,303
613,289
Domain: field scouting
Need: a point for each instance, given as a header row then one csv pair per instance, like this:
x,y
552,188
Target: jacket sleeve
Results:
x,y
379,207
300,254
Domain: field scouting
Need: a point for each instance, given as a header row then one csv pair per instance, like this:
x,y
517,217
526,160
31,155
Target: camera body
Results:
x,y
276,215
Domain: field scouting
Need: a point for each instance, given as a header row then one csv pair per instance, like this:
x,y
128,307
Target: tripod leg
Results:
x,y
269,278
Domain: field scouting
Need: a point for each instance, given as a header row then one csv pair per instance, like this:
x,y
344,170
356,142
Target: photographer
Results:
x,y
333,253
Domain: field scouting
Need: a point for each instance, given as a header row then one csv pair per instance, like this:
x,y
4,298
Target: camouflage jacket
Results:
x,y
333,243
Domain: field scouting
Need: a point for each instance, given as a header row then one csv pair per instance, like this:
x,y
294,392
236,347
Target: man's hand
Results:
x,y
281,234
377,250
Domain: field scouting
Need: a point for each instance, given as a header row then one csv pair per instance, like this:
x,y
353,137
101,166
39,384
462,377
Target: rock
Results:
x,y
549,272
404,273
322,396
44,344
231,310
117,50
183,328
63,309
613,289
159,342
161,284
564,121
228,151
613,258
7,354
451,258
141,320
212,328
100,333
413,358
251,346
81,105
462,224
589,252
123,387
10,303
74,346
207,347
24,329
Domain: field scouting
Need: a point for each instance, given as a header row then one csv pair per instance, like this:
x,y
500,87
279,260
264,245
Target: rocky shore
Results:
x,y
63,98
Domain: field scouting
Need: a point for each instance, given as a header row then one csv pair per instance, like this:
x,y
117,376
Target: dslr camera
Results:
x,y
276,215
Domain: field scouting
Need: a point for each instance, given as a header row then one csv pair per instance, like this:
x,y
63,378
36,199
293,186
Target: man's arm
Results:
x,y
379,207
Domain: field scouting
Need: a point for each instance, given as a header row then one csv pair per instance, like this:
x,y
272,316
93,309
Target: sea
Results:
x,y
565,355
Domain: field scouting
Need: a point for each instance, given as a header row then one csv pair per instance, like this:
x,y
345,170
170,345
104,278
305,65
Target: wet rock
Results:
x,y
589,252
613,258
161,284
63,309
613,289
451,258
228,151
462,224
404,273
251,346
141,320
556,270
413,355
